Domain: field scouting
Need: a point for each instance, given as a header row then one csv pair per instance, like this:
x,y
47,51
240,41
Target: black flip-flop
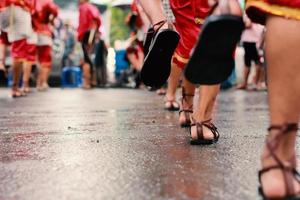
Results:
x,y
157,64
212,60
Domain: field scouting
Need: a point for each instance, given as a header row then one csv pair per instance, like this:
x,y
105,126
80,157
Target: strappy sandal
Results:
x,y
150,34
174,105
157,63
186,112
288,169
200,135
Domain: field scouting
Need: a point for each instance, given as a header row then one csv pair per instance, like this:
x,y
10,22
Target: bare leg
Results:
x,y
43,76
284,95
86,76
246,76
172,84
26,76
204,109
187,102
154,11
16,71
2,56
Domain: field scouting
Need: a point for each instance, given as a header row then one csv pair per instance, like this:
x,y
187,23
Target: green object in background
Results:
x,y
242,3
118,29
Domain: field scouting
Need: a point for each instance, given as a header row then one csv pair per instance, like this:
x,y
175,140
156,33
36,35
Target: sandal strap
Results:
x,y
184,98
208,124
185,110
287,166
159,24
285,128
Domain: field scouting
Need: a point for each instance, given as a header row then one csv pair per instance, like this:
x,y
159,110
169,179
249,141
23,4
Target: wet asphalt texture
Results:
x,y
121,144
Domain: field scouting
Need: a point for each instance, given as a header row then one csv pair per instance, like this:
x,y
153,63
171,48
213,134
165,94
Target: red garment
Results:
x,y
44,54
17,49
135,11
185,23
43,10
89,18
258,10
31,50
26,4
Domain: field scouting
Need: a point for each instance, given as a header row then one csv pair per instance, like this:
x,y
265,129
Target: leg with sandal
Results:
x,y
278,177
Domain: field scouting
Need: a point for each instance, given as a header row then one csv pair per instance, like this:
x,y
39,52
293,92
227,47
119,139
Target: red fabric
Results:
x,y
4,38
186,27
44,54
287,3
259,14
17,49
135,11
26,4
31,51
200,8
89,18
43,10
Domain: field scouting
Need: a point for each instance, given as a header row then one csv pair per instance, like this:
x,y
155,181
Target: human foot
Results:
x,y
186,109
16,93
203,132
171,105
278,178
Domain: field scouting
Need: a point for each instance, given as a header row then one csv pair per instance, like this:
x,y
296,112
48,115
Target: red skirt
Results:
x,y
189,16
258,10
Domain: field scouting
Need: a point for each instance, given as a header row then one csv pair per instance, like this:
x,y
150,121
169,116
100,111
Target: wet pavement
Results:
x,y
121,144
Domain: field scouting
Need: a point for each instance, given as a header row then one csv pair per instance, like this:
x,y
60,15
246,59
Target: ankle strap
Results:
x,y
285,128
159,24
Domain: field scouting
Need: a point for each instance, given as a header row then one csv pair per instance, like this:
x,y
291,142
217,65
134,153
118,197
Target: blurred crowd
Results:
x,y
34,42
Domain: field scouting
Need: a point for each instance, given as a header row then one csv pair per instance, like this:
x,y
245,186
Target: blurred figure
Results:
x,y
89,23
3,36
3,44
135,56
100,61
251,38
18,27
45,13
70,42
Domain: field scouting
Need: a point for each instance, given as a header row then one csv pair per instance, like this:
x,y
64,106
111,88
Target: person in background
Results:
x,y
89,24
100,61
45,13
70,42
251,38
18,29
3,36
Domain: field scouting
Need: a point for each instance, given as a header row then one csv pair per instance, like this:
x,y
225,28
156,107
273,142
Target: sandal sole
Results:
x,y
157,64
212,60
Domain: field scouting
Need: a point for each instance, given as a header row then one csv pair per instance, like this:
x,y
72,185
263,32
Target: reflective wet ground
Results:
x,y
121,144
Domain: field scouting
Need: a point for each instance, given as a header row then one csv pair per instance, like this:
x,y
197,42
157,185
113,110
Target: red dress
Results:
x,y
189,16
257,10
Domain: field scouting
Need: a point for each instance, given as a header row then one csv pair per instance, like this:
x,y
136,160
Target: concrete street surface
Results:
x,y
121,144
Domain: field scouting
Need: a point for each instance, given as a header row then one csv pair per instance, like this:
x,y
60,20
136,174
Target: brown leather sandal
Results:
x,y
186,112
288,168
200,140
